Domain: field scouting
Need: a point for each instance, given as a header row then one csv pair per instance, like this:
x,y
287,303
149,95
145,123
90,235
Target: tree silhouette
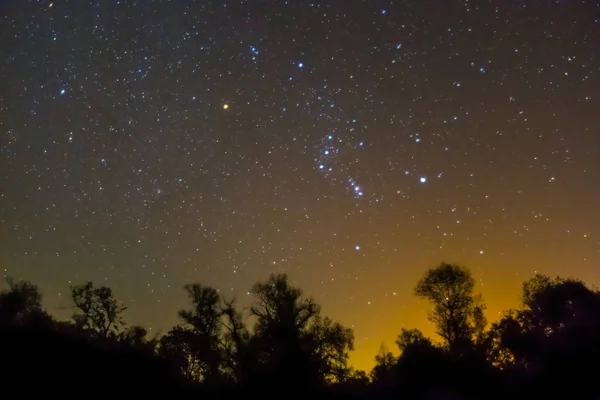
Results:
x,y
457,314
175,348
136,337
196,347
281,316
494,343
549,346
383,373
235,342
554,337
411,337
280,308
291,339
96,310
329,344
22,304
558,315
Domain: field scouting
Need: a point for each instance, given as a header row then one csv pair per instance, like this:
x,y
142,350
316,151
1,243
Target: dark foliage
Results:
x,y
48,361
548,347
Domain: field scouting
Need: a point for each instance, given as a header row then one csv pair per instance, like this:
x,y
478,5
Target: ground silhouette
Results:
x,y
547,347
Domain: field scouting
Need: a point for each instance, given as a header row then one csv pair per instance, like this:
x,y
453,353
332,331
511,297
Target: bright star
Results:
x,y
423,179
225,106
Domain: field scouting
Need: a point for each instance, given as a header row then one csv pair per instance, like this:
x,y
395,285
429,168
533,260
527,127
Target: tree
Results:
x,y
411,337
358,377
290,337
96,310
175,348
196,347
235,342
555,336
382,373
329,344
494,344
456,314
479,321
136,337
280,307
558,316
22,304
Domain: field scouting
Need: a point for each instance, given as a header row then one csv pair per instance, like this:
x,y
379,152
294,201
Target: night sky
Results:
x,y
351,144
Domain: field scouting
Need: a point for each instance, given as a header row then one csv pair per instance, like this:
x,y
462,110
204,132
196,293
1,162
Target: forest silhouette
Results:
x,y
283,347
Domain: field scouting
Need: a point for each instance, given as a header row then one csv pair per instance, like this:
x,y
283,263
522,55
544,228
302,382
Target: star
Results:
x,y
124,165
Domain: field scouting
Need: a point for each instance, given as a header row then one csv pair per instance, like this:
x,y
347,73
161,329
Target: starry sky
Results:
x,y
352,144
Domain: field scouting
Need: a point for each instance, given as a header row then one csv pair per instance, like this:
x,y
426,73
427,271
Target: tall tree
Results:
x,y
280,307
456,314
175,348
196,346
97,310
235,341
292,339
329,344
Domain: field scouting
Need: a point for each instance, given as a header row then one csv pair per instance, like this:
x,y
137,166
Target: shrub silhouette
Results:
x,y
549,346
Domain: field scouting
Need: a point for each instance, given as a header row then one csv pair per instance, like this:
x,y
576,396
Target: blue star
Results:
x,y
300,65
423,179
383,12
62,91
